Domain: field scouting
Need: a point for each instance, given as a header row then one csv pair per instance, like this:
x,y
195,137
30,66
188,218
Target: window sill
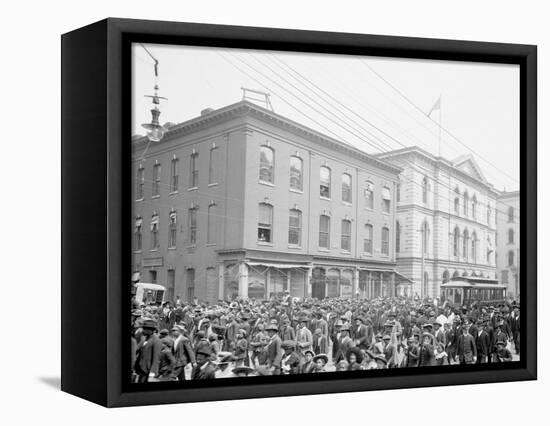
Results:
x,y
370,209
346,252
366,254
296,191
264,243
210,245
155,196
172,248
324,198
295,247
174,193
261,182
210,185
192,246
154,250
323,249
139,199
347,203
194,188
137,251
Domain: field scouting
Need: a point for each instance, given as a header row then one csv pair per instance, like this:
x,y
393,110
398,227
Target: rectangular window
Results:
x,y
190,284
213,166
154,232
367,242
174,175
346,188
211,225
138,233
170,284
193,226
172,230
369,196
324,178
295,227
296,165
153,277
385,241
504,277
156,180
140,181
194,171
267,158
386,200
345,243
265,217
324,231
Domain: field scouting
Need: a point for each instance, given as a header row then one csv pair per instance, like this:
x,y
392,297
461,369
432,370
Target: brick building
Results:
x,y
242,201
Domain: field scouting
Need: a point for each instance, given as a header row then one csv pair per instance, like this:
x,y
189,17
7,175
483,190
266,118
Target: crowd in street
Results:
x,y
284,336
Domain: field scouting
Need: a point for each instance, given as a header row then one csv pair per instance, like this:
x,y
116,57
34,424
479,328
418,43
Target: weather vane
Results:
x,y
155,131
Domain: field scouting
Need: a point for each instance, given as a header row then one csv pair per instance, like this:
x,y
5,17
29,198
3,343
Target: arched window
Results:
x,y
466,201
265,222
192,225
457,201
510,236
345,243
267,163
456,241
138,233
214,165
511,258
296,173
397,237
386,200
324,231
211,224
425,237
425,189
474,207
174,174
194,170
465,243
346,187
154,231
324,178
474,247
295,227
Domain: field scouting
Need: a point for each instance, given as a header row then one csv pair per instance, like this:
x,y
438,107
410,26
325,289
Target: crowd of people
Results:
x,y
284,336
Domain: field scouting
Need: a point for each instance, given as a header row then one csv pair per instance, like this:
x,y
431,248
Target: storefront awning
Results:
x,y
280,265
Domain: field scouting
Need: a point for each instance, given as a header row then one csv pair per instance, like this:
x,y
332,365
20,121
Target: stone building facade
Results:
x,y
508,241
446,221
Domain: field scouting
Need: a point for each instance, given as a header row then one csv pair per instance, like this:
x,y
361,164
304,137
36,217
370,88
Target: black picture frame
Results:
x,y
96,208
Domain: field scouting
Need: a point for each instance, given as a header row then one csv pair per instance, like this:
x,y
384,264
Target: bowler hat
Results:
x,y
324,357
243,369
149,324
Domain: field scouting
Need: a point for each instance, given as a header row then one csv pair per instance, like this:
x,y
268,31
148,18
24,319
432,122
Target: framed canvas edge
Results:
x,y
524,55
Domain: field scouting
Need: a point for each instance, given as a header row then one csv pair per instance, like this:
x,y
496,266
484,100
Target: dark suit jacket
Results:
x,y
148,356
275,352
466,347
364,335
183,352
483,344
426,356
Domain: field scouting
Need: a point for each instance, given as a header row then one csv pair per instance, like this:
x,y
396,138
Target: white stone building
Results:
x,y
446,222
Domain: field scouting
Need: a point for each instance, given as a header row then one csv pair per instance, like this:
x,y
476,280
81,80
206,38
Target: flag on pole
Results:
x,y
436,106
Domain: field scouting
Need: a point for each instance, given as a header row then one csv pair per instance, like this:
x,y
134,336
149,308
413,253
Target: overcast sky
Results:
x,y
342,97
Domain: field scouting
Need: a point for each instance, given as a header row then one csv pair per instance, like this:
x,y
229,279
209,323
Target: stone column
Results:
x,y
392,285
309,276
355,282
221,281
243,279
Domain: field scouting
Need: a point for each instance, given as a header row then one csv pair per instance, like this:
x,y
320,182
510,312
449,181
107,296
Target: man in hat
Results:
x,y
274,349
183,352
381,363
426,353
308,365
231,333
167,361
287,332
240,353
335,338
304,338
320,344
363,333
412,352
205,368
345,343
148,353
439,334
515,326
502,354
483,343
390,351
466,347
258,342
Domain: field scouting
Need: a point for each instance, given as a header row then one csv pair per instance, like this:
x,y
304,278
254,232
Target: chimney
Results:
x,y
206,111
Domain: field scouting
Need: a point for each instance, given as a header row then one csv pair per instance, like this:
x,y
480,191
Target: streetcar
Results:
x,y
149,294
465,290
